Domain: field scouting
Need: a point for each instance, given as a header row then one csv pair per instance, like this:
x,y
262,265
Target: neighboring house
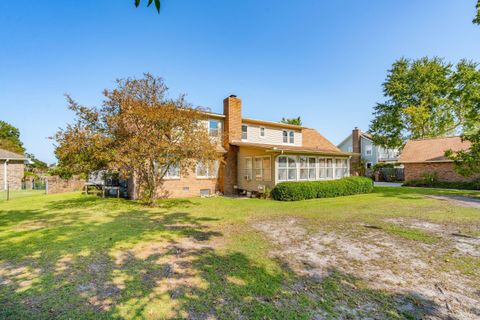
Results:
x,y
425,156
361,143
12,167
257,155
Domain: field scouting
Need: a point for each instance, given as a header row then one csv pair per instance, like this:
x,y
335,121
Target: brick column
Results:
x,y
355,161
232,109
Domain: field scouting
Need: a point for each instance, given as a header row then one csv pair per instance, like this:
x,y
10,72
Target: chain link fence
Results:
x,y
26,189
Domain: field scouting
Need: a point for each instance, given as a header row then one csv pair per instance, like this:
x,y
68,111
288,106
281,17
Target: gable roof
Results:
x,y
5,154
431,150
311,138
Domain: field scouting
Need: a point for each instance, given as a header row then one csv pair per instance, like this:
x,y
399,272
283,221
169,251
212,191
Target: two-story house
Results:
x,y
258,154
361,143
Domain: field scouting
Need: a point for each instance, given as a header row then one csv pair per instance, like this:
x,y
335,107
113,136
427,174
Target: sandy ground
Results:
x,y
385,262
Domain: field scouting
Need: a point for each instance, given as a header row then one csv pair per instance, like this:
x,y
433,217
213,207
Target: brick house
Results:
x,y
256,155
12,166
428,156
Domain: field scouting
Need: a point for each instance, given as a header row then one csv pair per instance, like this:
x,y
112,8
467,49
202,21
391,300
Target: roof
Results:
x,y
311,138
5,154
431,150
365,135
272,123
292,149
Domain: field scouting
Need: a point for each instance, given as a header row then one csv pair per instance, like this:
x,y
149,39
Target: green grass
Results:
x,y
15,194
70,256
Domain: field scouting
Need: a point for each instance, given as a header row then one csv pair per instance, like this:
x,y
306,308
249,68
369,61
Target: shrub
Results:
x,y
464,185
293,191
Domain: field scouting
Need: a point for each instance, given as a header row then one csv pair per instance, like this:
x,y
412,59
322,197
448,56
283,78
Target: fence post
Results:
x,y
8,191
46,186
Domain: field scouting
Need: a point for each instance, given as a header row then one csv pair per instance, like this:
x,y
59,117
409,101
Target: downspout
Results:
x,y
5,176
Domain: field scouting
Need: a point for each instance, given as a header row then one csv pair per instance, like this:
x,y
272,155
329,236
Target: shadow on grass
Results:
x,y
140,263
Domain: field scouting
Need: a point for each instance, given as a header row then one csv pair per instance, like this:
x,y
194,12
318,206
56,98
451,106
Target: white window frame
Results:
x,y
246,132
219,128
168,176
295,159
209,175
289,138
248,169
368,150
262,132
332,168
300,168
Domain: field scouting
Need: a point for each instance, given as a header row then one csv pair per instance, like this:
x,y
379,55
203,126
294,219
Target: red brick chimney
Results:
x,y
232,109
355,161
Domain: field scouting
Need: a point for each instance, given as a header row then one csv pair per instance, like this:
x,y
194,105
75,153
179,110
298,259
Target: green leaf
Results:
x,y
137,3
149,3
157,5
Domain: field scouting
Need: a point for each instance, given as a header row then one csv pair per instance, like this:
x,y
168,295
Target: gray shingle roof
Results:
x,y
4,154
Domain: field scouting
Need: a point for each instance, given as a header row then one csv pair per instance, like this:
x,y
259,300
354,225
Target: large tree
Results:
x,y
10,138
476,20
426,98
137,131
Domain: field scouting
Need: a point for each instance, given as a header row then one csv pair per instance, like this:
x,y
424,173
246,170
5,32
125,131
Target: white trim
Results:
x,y
246,132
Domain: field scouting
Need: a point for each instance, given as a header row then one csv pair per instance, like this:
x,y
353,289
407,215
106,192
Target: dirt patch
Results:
x,y
385,262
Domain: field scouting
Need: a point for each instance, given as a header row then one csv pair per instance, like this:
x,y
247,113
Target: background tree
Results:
x,y
157,4
139,132
426,98
35,165
296,121
10,138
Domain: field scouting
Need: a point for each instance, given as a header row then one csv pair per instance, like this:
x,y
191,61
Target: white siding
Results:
x,y
273,135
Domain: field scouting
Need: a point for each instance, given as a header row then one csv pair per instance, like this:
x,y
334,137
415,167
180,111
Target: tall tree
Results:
x,y
476,20
425,98
157,4
139,132
296,121
10,138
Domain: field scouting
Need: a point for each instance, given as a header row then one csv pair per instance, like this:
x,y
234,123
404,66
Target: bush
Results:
x,y
293,191
464,185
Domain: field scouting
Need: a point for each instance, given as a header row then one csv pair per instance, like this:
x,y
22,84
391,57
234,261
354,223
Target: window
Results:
x,y
288,137
173,171
368,150
262,132
244,132
369,165
341,168
312,168
329,169
214,128
258,169
303,168
350,149
248,169
207,170
322,165
287,168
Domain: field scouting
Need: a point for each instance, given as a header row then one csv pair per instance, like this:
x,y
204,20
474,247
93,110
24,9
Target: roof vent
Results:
x,y
233,96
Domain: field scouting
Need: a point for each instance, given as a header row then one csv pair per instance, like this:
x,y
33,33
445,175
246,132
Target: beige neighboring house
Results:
x,y
257,154
428,156
12,170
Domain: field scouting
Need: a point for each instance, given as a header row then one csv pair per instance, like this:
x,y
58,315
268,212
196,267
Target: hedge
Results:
x,y
465,185
301,190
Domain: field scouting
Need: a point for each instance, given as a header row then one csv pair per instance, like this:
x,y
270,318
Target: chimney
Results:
x,y
355,161
232,109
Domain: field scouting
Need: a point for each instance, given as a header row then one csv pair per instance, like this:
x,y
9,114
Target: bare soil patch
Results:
x,y
384,262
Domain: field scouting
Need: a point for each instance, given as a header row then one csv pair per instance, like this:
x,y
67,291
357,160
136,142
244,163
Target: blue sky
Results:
x,y
322,60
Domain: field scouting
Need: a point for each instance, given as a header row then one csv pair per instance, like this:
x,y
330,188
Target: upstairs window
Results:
x,y
244,132
285,136
262,132
291,136
214,128
368,150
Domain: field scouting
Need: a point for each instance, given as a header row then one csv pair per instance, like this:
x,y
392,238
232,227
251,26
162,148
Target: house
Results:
x,y
12,166
256,155
361,143
428,156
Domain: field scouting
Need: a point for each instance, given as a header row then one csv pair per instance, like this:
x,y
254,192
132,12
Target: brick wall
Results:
x,y
15,172
444,170
59,185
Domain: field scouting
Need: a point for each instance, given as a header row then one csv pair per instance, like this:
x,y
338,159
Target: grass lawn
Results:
x,y
15,194
395,253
